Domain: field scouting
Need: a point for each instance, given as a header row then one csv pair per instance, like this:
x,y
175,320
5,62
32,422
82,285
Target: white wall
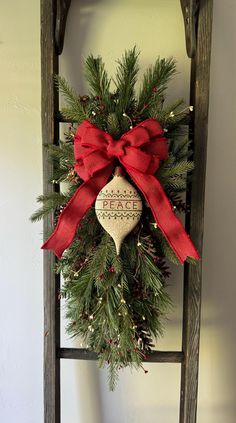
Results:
x,y
217,394
21,306
107,27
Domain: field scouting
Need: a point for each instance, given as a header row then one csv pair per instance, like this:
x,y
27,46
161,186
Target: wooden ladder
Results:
x,y
197,16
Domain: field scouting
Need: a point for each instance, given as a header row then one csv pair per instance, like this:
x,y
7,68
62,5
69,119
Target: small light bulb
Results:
x,y
139,244
172,114
191,108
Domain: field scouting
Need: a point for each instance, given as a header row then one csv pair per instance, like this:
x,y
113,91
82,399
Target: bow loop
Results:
x,y
141,148
136,137
91,164
140,151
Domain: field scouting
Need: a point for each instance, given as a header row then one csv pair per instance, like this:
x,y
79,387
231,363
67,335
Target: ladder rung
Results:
x,y
60,119
154,357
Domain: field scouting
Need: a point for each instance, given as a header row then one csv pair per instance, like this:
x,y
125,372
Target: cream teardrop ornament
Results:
x,y
118,208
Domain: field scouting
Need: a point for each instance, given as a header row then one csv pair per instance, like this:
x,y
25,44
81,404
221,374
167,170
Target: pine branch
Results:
x,y
173,174
113,372
179,168
125,81
164,115
75,110
50,203
63,153
113,126
73,114
176,183
179,147
155,80
62,158
98,80
165,247
177,202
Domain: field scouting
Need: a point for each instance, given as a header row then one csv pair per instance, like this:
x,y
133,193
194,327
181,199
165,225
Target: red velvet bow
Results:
x,y
140,151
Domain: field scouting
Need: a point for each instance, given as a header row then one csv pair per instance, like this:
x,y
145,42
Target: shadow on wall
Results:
x,y
80,18
108,28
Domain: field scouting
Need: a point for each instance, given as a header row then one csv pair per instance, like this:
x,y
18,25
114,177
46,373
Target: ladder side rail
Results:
x,y
199,98
50,131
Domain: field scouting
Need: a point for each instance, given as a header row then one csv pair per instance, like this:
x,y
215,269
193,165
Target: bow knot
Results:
x,y
116,148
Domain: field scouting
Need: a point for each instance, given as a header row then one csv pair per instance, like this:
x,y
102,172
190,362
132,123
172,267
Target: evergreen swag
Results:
x,y
117,304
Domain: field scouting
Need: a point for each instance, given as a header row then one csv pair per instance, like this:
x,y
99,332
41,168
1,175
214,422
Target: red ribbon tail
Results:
x,y
165,218
75,210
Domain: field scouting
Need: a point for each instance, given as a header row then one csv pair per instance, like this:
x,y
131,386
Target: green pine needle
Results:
x,y
97,78
155,80
51,202
126,77
75,110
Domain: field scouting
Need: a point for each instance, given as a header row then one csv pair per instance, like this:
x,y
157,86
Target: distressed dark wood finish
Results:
x,y
49,66
199,97
155,357
190,14
165,357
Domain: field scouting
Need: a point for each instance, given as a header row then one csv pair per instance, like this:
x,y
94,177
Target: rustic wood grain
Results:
x,y
154,357
200,74
49,66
